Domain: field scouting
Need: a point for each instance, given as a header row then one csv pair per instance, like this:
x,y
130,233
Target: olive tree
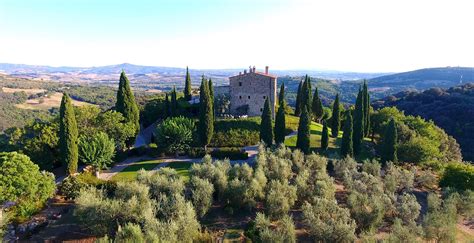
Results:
x,y
201,191
280,198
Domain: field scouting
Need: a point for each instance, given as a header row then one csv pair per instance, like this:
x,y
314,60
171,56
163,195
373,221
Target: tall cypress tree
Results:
x,y
174,103
211,93
336,118
359,119
304,132
126,103
68,135
266,130
298,99
389,143
305,102
317,106
325,137
187,86
206,114
347,148
366,96
167,106
280,126
281,96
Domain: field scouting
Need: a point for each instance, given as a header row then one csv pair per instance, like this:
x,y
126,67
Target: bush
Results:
x,y
230,153
408,208
196,152
427,180
262,230
342,165
439,224
371,167
175,134
401,233
96,150
22,182
459,176
234,138
327,222
201,191
70,187
280,198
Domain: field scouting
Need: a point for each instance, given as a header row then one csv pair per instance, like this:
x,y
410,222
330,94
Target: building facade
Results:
x,y
249,90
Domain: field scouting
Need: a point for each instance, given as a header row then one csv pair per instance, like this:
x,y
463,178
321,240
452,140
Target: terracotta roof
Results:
x,y
260,73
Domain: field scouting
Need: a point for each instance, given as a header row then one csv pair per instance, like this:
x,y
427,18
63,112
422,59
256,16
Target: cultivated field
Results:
x,y
47,102
27,91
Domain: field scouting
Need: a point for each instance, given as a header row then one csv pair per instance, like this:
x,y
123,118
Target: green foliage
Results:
x,y
175,134
229,153
459,176
325,137
68,135
126,103
187,86
174,103
97,150
408,208
71,186
439,223
281,96
317,106
358,121
201,191
402,233
371,167
306,98
280,198
366,106
304,132
389,145
3,222
206,114
234,138
328,222
298,99
343,166
22,182
335,119
129,233
347,148
266,130
280,126
262,230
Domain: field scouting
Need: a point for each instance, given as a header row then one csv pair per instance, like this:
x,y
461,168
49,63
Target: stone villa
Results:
x,y
248,91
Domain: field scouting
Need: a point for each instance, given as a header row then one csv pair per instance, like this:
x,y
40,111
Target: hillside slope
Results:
x,y
451,109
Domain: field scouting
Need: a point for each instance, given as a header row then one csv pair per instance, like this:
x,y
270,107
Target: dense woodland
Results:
x,y
345,173
451,109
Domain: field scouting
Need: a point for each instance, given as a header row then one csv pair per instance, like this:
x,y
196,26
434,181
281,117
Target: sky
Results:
x,y
345,35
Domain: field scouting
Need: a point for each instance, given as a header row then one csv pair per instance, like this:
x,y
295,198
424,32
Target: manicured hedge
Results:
x,y
230,153
459,176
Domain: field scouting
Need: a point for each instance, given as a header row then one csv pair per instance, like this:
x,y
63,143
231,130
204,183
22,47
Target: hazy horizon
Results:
x,y
366,36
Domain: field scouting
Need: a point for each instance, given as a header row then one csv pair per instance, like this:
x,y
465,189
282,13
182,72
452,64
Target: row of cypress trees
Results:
x,y
68,132
269,134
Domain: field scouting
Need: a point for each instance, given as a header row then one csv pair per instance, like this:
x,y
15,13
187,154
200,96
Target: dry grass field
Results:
x,y
44,103
27,91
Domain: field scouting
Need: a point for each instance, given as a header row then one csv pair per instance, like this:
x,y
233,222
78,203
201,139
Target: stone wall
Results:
x,y
252,89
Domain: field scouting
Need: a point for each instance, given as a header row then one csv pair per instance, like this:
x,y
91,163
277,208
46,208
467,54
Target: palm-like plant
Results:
x,y
175,133
97,150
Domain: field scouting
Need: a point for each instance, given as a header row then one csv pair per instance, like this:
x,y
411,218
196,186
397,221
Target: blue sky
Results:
x,y
364,35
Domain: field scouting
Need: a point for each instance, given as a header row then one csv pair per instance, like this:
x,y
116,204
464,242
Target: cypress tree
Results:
x,y
305,102
389,143
211,89
174,103
336,118
317,106
126,103
366,96
325,137
358,134
68,135
298,100
347,148
281,96
167,106
304,132
266,130
280,125
206,114
187,86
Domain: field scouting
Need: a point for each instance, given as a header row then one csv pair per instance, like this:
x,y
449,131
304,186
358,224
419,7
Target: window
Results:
x,y
240,83
249,97
264,97
240,97
261,109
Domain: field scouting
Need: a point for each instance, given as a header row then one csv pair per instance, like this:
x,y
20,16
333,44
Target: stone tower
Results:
x,y
248,92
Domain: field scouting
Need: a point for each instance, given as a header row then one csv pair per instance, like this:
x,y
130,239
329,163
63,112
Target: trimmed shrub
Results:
x,y
229,153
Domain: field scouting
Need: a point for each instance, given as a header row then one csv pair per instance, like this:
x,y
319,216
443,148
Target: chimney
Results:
x,y
250,69
245,71
266,69
253,69
240,73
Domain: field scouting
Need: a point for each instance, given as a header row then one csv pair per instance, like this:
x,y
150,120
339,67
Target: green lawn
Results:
x,y
130,172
